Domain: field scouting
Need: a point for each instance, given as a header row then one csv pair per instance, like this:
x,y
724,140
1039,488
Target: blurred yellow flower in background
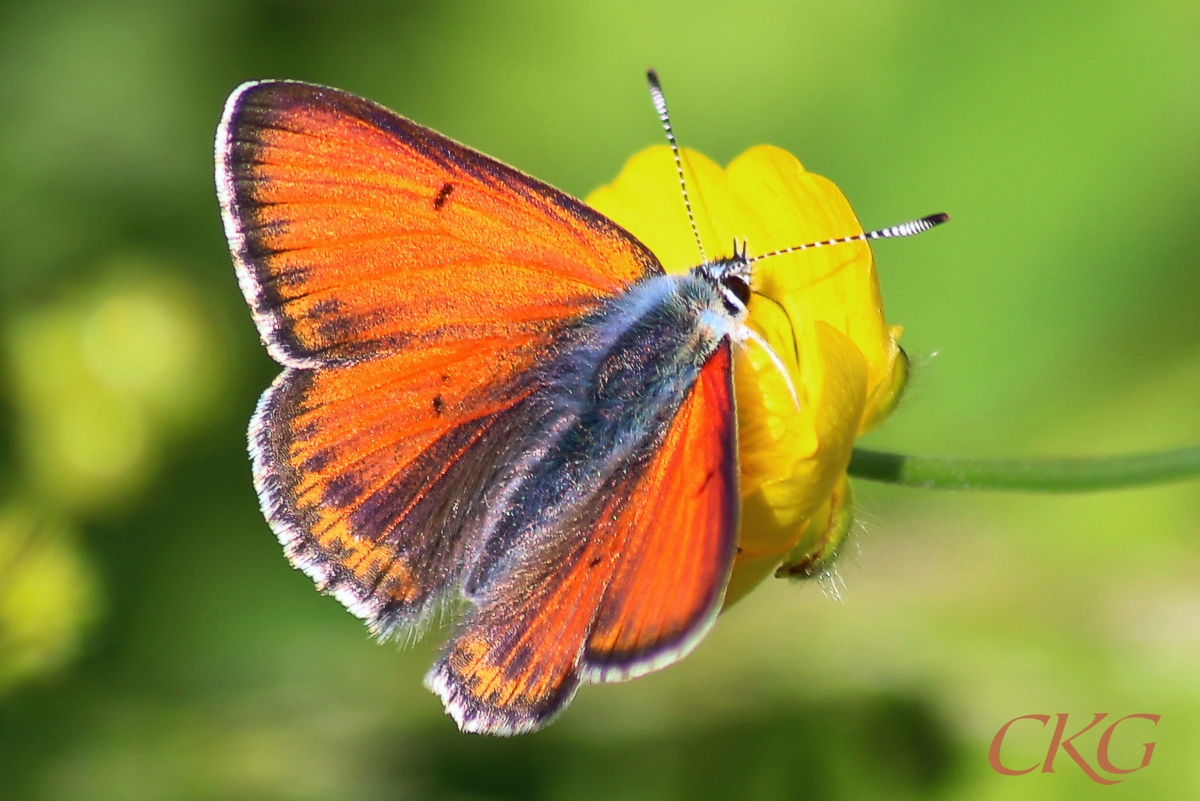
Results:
x,y
49,595
102,378
821,312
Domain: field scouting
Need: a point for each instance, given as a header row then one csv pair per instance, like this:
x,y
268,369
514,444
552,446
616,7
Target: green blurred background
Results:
x,y
154,643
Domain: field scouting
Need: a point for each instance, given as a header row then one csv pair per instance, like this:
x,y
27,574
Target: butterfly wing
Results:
x,y
369,473
356,231
679,537
630,592
408,283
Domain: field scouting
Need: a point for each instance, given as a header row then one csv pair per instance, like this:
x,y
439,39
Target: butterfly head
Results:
x,y
731,278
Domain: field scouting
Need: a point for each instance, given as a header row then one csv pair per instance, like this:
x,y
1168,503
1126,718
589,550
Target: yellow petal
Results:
x,y
646,201
836,284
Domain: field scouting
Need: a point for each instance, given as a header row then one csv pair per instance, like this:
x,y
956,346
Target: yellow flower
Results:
x,y
821,312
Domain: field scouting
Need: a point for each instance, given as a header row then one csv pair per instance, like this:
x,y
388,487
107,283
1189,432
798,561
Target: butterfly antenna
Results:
x,y
660,105
904,229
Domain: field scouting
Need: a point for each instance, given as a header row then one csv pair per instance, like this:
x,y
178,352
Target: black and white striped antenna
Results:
x,y
911,228
660,105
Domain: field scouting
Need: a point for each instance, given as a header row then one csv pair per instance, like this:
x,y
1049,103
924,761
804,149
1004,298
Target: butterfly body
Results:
x,y
600,412
494,400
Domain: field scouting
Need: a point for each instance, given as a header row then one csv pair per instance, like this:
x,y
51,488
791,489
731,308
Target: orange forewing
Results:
x,y
678,535
357,231
632,594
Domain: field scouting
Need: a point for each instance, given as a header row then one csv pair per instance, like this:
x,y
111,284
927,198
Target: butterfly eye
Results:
x,y
738,286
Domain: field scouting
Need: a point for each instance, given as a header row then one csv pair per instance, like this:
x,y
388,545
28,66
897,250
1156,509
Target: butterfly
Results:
x,y
495,402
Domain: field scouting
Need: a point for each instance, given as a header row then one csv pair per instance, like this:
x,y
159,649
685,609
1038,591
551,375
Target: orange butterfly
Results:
x,y
495,401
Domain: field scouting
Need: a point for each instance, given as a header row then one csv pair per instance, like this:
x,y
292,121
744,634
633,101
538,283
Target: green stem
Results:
x,y
1027,475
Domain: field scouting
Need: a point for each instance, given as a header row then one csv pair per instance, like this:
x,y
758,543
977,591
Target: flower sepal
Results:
x,y
823,539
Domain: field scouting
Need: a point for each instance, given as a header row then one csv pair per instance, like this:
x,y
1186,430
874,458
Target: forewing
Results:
x,y
677,536
356,231
632,589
